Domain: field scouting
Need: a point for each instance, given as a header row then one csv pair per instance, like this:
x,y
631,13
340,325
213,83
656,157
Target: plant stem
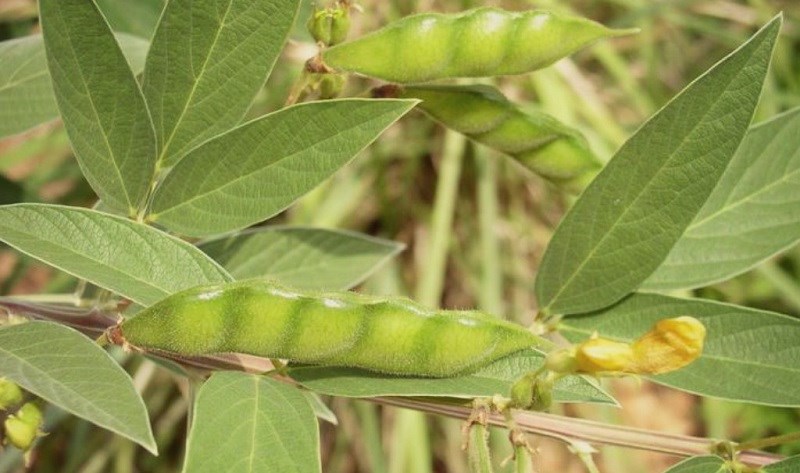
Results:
x,y
431,284
569,429
769,441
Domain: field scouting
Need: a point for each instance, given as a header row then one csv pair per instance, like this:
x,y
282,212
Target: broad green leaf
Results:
x,y
103,109
496,378
253,172
132,259
67,369
207,62
789,465
247,423
138,18
753,213
704,464
306,258
26,93
749,355
633,213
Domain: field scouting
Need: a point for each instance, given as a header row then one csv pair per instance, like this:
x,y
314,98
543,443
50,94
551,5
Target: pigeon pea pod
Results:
x,y
387,335
537,141
481,42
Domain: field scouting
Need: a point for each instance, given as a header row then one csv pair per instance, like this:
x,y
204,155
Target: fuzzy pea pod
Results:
x,y
481,42
387,335
536,140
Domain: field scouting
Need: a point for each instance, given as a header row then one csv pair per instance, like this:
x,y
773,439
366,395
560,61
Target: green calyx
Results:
x,y
330,26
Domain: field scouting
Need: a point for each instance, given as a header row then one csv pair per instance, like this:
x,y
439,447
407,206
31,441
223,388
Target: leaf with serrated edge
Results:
x,y
102,106
704,464
207,62
495,378
134,260
255,171
246,423
26,93
629,218
67,369
725,239
749,355
301,257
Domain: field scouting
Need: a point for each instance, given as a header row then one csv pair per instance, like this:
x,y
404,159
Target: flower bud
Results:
x,y
340,24
10,394
319,25
330,86
22,428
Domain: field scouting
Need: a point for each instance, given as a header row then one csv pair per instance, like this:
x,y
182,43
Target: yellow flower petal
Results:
x,y
670,345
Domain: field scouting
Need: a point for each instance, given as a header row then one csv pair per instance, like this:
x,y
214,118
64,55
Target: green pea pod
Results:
x,y
536,140
387,335
481,42
10,394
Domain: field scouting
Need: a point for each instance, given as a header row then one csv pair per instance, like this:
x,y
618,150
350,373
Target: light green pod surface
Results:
x,y
476,43
261,318
536,140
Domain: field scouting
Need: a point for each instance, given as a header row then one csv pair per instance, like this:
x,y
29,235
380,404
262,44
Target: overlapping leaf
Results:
x,y
496,378
207,62
67,369
103,109
704,464
129,258
255,171
627,221
26,92
307,258
749,355
753,213
247,423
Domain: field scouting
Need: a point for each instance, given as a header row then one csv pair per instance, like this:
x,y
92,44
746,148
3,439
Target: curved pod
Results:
x,y
261,318
537,141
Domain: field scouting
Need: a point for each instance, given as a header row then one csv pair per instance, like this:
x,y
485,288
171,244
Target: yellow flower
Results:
x,y
598,355
670,345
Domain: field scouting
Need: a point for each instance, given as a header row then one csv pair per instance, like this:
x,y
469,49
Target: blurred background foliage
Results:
x,y
475,225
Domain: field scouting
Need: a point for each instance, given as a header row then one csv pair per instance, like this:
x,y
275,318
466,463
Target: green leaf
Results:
x,y
253,172
725,239
496,378
138,18
305,258
788,465
703,464
247,423
100,101
633,213
26,93
749,355
134,260
67,369
207,62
